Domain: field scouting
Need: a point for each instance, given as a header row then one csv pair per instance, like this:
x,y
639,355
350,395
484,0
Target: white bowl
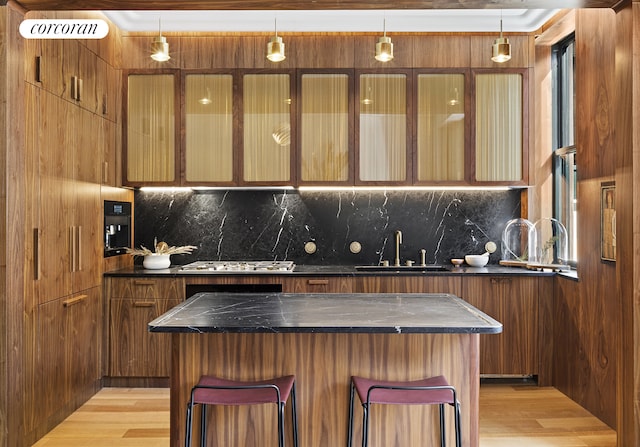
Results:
x,y
476,260
156,261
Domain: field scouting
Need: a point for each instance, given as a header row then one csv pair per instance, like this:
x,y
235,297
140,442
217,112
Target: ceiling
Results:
x,y
322,15
70,5
423,20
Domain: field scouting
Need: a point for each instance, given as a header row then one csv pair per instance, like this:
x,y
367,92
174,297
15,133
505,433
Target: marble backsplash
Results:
x,y
276,225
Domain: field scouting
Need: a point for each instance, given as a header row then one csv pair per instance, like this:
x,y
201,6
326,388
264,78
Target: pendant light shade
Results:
x,y
275,47
501,48
384,47
160,47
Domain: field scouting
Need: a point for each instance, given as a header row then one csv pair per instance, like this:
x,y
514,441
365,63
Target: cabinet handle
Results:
x,y
76,88
38,73
74,300
36,254
143,303
500,280
105,172
144,282
318,282
72,247
79,247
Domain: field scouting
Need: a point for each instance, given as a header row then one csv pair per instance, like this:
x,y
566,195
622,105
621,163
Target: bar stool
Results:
x,y
216,391
431,391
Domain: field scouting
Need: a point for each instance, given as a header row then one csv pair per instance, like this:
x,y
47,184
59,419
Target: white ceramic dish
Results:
x,y
476,260
156,261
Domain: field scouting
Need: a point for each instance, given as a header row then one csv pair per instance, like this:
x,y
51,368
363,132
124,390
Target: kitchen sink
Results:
x,y
401,268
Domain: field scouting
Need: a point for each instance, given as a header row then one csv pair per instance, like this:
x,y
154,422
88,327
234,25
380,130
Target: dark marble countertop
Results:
x,y
327,313
336,270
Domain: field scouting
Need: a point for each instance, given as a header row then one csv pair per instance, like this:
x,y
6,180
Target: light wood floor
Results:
x,y
518,415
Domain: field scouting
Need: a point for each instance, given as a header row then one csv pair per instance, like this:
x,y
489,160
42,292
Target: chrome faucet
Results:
x,y
398,235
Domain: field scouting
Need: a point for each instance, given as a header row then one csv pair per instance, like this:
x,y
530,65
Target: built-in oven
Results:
x,y
117,227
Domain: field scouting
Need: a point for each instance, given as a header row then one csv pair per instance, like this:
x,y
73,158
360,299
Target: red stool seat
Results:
x,y
430,391
215,391
212,390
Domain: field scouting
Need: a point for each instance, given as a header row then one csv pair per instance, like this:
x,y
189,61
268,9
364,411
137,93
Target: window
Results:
x,y
564,159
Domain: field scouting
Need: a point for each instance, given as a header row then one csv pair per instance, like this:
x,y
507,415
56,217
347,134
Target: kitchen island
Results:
x,y
324,339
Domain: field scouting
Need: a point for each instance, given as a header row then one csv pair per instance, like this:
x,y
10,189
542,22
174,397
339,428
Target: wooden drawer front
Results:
x,y
135,352
147,288
409,284
318,285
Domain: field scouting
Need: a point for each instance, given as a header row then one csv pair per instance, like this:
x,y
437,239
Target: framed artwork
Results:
x,y
608,221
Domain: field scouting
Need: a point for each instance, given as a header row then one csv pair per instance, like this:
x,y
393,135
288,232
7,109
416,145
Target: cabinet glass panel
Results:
x,y
383,127
209,128
151,128
266,127
498,127
440,127
325,127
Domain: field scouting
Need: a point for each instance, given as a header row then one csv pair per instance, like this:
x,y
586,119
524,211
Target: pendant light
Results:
x,y
501,49
384,47
275,47
160,47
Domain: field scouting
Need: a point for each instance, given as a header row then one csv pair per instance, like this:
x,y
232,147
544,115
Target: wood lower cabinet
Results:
x,y
133,303
514,301
520,303
66,369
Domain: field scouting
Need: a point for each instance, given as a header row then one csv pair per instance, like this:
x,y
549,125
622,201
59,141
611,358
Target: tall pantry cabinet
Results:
x,y
67,134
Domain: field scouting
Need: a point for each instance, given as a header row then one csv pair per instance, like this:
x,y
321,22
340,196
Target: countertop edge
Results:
x,y
179,320
328,271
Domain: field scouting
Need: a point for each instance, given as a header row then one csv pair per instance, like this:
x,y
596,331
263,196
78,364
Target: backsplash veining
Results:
x,y
275,225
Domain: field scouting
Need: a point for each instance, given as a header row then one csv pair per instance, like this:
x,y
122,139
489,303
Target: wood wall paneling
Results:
x,y
627,142
442,51
595,93
586,313
215,52
319,51
540,199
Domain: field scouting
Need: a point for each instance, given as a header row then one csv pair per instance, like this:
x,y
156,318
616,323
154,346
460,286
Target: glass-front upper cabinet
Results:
x,y
382,113
500,145
151,145
440,128
325,117
209,130
266,128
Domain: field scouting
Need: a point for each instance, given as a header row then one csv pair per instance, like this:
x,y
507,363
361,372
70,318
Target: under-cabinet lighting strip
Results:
x,y
328,188
404,188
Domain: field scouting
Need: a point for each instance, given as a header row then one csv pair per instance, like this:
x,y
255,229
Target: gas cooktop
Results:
x,y
239,266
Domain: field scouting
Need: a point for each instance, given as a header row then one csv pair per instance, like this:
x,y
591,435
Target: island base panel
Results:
x,y
323,364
